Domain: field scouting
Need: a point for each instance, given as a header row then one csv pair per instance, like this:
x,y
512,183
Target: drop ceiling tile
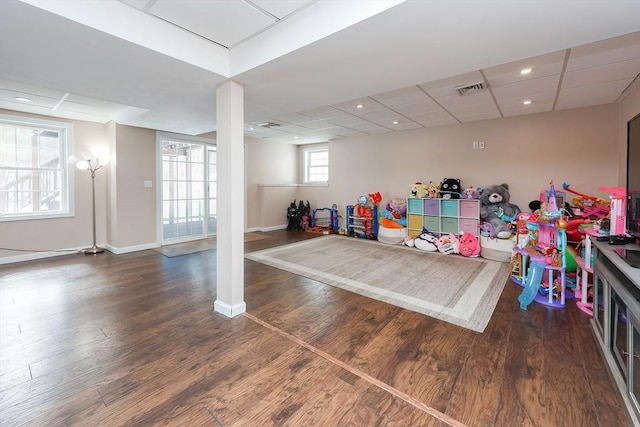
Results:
x,y
605,93
541,66
510,104
381,115
433,116
478,115
446,87
294,129
347,121
432,122
527,88
408,95
455,101
426,105
281,8
527,109
368,104
322,113
367,127
224,22
605,52
405,126
623,70
295,118
317,125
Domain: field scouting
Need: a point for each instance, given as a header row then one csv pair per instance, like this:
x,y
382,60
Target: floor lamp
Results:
x,y
91,164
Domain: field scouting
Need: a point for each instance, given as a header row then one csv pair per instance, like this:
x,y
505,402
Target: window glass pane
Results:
x,y
317,165
33,170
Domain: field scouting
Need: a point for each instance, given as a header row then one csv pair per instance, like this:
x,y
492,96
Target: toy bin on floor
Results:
x,y
497,249
391,236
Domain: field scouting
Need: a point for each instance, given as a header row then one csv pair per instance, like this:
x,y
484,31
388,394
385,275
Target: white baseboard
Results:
x,y
36,255
229,311
127,249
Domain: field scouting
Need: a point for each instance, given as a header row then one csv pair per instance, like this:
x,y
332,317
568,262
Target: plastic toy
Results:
x,y
590,206
545,251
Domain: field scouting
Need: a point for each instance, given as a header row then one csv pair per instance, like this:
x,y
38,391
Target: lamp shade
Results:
x,y
82,165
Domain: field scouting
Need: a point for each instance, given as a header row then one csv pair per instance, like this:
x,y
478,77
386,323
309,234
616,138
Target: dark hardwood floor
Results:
x,y
133,339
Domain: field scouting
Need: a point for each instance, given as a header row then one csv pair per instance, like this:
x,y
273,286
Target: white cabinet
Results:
x,y
441,216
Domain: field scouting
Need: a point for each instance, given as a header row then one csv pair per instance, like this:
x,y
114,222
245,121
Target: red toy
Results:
x,y
469,245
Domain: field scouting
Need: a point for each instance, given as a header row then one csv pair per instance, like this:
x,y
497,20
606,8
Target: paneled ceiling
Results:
x,y
314,70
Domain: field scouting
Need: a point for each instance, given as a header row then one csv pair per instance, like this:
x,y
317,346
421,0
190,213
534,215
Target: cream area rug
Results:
x,y
201,245
452,288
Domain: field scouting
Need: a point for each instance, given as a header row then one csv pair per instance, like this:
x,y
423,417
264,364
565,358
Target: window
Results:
x,y
34,177
316,165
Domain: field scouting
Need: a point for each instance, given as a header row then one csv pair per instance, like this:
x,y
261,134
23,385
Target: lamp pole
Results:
x,y
87,164
93,249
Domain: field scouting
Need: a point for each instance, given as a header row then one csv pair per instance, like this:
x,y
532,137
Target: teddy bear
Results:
x,y
419,190
496,209
450,188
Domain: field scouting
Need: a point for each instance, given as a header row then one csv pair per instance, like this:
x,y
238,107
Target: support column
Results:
x,y
230,195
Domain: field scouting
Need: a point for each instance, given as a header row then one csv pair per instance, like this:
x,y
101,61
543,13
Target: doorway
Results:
x,y
188,188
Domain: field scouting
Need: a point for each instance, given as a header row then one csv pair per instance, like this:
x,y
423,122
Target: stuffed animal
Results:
x,y
471,192
418,190
448,244
450,188
433,190
426,241
497,210
469,245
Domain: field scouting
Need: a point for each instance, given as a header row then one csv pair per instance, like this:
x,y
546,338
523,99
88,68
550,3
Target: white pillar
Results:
x,y
230,199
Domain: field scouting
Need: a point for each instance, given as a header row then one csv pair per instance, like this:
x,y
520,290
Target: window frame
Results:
x,y
65,131
308,152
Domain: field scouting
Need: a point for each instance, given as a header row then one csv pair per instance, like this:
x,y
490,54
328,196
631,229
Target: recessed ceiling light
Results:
x,y
295,137
527,102
360,106
251,128
22,99
395,122
525,71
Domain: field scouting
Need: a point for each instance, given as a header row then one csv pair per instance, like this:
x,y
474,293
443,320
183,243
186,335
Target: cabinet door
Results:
x,y
432,223
469,226
449,207
449,225
414,206
431,206
414,222
470,208
634,375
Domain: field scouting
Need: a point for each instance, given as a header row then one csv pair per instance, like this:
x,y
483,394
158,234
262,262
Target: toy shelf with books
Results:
x,y
442,216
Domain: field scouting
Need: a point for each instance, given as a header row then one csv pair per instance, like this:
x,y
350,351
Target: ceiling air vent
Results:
x,y
470,88
269,125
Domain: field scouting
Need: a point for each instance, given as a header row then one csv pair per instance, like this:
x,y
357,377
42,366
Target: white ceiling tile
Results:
x,y
368,104
347,121
456,102
367,127
527,109
322,113
224,22
623,70
478,115
295,118
281,8
541,66
317,125
605,93
438,122
509,104
405,126
527,88
426,105
446,87
408,95
384,114
605,52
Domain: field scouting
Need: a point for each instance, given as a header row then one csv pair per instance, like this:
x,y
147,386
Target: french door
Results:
x,y
188,196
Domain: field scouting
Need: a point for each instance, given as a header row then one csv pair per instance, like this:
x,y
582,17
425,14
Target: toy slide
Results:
x,y
534,280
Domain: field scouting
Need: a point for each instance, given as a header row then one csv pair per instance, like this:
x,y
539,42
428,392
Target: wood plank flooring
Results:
x,y
132,339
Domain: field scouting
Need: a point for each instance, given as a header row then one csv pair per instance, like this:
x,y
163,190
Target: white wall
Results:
x,y
578,146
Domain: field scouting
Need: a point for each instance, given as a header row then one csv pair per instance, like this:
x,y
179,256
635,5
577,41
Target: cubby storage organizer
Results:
x,y
441,216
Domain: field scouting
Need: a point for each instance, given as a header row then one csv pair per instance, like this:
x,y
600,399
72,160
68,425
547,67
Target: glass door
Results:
x,y
211,191
184,210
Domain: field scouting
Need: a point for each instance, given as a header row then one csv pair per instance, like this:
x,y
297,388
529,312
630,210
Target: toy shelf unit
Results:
x,y
362,221
325,220
443,216
584,278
